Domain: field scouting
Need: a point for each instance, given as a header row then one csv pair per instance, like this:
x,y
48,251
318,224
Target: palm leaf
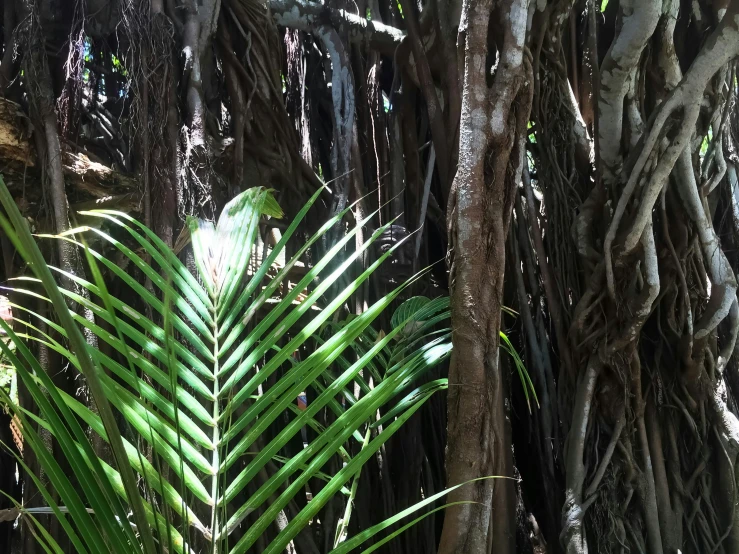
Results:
x,y
197,388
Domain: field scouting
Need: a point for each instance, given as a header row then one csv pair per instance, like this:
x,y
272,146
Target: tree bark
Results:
x,y
491,157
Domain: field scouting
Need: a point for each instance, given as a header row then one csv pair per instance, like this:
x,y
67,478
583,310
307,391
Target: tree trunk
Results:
x,y
493,120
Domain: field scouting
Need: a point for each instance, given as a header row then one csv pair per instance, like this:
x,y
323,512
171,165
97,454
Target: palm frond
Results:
x,y
188,399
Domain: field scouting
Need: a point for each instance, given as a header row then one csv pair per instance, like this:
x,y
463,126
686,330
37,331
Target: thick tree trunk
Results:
x,y
491,159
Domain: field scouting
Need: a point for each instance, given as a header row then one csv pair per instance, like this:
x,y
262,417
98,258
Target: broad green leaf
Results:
x,y
407,310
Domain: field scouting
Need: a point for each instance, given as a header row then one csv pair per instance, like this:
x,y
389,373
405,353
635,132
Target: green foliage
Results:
x,y
198,384
417,322
706,144
7,373
118,65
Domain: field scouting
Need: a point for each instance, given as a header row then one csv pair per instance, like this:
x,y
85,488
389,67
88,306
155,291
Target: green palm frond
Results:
x,y
419,322
188,399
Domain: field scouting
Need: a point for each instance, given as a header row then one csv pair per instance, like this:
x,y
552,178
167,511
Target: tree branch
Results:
x,y
309,16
